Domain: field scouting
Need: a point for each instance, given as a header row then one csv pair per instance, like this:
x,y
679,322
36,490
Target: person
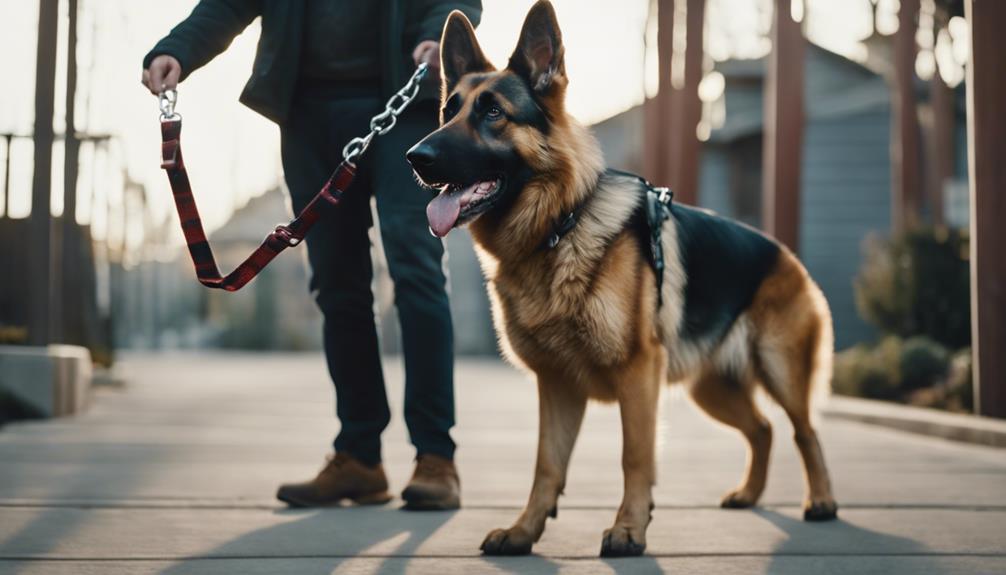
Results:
x,y
323,68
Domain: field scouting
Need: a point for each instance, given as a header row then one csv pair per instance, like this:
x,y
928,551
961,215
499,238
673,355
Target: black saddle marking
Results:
x,y
725,262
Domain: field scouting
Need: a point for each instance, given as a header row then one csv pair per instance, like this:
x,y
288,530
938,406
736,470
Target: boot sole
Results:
x,y
420,504
363,500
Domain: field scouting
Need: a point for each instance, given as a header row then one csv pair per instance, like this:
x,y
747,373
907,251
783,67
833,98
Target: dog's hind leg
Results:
x,y
730,402
792,358
561,408
787,377
638,393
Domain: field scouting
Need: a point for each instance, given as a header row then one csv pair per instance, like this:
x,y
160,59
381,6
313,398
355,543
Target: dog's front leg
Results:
x,y
560,409
638,395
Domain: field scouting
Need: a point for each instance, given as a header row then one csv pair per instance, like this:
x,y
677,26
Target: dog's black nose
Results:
x,y
422,155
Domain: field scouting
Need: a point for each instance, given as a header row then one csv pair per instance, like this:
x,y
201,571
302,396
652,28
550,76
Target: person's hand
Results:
x,y
163,74
428,52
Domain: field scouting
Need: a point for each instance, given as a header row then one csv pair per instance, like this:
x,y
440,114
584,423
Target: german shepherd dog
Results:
x,y
574,294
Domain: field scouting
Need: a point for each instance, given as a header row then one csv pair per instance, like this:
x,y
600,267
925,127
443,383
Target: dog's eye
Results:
x,y
448,113
494,113
451,107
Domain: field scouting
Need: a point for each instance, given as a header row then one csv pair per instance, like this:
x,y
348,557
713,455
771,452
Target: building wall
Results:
x,y
714,175
846,184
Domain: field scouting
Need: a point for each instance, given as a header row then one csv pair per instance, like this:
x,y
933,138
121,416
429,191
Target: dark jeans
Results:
x,y
339,252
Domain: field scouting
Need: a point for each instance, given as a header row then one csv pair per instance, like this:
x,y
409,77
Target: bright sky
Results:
x,y
233,154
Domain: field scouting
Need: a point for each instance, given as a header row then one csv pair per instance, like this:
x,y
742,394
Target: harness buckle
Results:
x,y
664,195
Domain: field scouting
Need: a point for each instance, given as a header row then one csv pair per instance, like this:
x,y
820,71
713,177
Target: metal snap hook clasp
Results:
x,y
166,101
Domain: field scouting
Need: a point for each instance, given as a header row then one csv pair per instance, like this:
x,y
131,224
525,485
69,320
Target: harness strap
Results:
x,y
657,209
281,238
562,227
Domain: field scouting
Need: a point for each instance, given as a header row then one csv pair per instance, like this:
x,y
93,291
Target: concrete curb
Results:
x,y
924,421
50,381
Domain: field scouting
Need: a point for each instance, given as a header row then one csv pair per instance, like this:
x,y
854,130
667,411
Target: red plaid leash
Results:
x,y
277,241
283,236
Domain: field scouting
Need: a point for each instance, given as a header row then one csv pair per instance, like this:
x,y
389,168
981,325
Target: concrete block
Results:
x,y
52,381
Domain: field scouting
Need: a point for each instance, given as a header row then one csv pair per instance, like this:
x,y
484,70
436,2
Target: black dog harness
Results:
x,y
648,222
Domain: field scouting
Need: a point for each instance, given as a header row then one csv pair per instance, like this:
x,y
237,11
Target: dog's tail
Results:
x,y
822,355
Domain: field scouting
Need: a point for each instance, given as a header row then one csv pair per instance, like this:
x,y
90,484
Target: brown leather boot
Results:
x,y
343,477
434,485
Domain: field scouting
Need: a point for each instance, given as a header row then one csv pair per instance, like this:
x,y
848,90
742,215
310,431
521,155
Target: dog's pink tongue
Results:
x,y
443,212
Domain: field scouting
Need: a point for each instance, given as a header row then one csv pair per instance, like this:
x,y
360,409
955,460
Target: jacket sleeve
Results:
x,y
207,32
427,17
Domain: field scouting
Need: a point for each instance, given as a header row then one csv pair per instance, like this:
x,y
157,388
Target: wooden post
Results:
x,y
783,140
943,108
688,109
70,287
39,241
986,91
657,157
905,122
8,141
941,145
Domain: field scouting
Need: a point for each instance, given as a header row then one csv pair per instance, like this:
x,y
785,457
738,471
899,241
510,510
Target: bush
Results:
x,y
923,363
918,284
960,387
10,334
869,372
892,370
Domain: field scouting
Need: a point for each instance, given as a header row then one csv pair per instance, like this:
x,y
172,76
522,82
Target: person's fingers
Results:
x,y
156,78
171,78
427,51
145,79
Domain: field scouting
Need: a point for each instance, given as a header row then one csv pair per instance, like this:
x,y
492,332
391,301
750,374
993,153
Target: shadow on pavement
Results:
x,y
332,537
836,539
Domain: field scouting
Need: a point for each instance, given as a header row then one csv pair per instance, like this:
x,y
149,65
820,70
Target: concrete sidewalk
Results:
x,y
175,474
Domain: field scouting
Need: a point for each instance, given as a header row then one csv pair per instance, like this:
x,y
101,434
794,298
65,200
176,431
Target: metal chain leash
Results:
x,y
385,121
379,124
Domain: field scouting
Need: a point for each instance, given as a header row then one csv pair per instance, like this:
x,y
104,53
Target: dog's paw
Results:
x,y
820,510
621,542
513,541
738,499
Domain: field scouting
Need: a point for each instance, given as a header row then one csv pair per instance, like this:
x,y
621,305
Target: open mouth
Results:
x,y
458,204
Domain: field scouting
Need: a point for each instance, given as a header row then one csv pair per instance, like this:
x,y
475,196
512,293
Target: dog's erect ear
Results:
x,y
460,53
539,54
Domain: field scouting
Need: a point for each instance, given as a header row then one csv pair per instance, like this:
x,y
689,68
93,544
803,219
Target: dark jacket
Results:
x,y
213,24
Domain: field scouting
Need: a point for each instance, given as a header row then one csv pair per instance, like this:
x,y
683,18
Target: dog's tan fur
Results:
x,y
584,319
